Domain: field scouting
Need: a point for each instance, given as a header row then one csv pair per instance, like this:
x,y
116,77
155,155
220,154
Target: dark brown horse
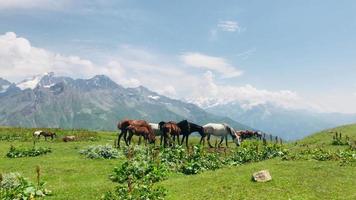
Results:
x,y
141,131
122,126
169,129
187,128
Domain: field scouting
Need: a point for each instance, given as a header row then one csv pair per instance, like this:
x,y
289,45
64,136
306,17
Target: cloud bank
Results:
x,y
131,66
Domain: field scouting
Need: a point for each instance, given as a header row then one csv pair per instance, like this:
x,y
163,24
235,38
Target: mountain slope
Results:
x,y
96,103
289,124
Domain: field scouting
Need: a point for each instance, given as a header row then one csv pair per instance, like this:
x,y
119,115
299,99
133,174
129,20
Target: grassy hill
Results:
x,y
72,176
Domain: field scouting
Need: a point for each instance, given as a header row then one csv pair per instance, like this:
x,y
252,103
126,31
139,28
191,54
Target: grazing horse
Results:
x,y
244,134
222,130
69,138
122,126
48,134
187,128
169,129
155,128
37,133
44,134
144,131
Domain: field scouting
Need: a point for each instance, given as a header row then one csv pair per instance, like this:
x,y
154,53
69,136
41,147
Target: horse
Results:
x,y
244,134
144,131
187,128
68,138
37,133
169,129
48,134
122,126
44,134
155,128
222,130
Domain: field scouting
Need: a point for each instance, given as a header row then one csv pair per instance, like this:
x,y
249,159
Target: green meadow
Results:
x,y
70,175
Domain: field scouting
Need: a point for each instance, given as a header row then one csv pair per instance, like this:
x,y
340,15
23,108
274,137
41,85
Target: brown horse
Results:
x,y
141,131
69,138
248,134
122,126
169,129
47,134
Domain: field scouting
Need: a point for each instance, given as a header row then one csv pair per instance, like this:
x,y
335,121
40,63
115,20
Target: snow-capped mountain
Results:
x,y
97,103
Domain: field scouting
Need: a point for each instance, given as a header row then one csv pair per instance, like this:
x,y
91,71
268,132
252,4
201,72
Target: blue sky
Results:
x,y
256,51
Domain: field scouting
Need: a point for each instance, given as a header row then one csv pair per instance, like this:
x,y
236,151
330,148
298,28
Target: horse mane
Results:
x,y
229,129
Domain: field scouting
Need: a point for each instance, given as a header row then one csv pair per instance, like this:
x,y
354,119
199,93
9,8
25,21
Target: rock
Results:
x,y
262,176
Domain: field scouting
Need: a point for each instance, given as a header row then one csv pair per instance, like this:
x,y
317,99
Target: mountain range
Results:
x,y
290,124
97,103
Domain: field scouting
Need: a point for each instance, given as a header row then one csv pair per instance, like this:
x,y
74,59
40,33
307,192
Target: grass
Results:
x,y
72,176
291,180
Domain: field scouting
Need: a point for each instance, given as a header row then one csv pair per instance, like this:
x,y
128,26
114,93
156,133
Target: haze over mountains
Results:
x,y
287,123
95,103
98,103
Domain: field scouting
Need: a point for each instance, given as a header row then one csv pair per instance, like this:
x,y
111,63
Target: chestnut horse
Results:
x,y
122,126
244,134
169,129
147,134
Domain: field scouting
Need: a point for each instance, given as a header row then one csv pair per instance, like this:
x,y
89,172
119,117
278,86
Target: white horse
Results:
x,y
221,130
37,133
155,128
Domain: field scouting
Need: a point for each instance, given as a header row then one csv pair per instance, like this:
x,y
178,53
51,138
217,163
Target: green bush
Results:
x,y
100,151
15,187
136,176
27,152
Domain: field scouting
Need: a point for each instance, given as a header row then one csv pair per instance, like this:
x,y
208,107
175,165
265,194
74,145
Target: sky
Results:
x,y
295,54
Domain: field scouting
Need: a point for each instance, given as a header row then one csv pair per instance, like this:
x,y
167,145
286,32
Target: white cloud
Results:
x,y
247,95
19,59
230,26
217,64
32,4
131,66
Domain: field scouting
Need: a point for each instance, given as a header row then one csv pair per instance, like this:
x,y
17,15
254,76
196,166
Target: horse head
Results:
x,y
160,125
237,139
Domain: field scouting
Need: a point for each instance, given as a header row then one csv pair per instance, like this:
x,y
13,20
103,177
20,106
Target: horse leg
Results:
x,y
221,140
128,139
226,141
139,140
119,138
211,146
186,140
178,139
181,142
125,138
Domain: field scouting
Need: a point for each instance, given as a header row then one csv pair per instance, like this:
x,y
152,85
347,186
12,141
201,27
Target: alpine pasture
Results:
x,y
312,168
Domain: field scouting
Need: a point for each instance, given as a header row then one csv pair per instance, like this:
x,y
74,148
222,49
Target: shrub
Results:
x,y
27,152
13,186
100,151
136,176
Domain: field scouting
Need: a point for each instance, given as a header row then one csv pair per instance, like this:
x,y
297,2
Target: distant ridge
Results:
x,y
96,103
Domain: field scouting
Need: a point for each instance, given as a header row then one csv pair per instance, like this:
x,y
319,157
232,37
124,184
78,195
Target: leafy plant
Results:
x,y
100,151
27,152
15,187
136,176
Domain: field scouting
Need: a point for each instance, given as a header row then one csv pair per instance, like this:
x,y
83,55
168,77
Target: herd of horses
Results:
x,y
171,131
